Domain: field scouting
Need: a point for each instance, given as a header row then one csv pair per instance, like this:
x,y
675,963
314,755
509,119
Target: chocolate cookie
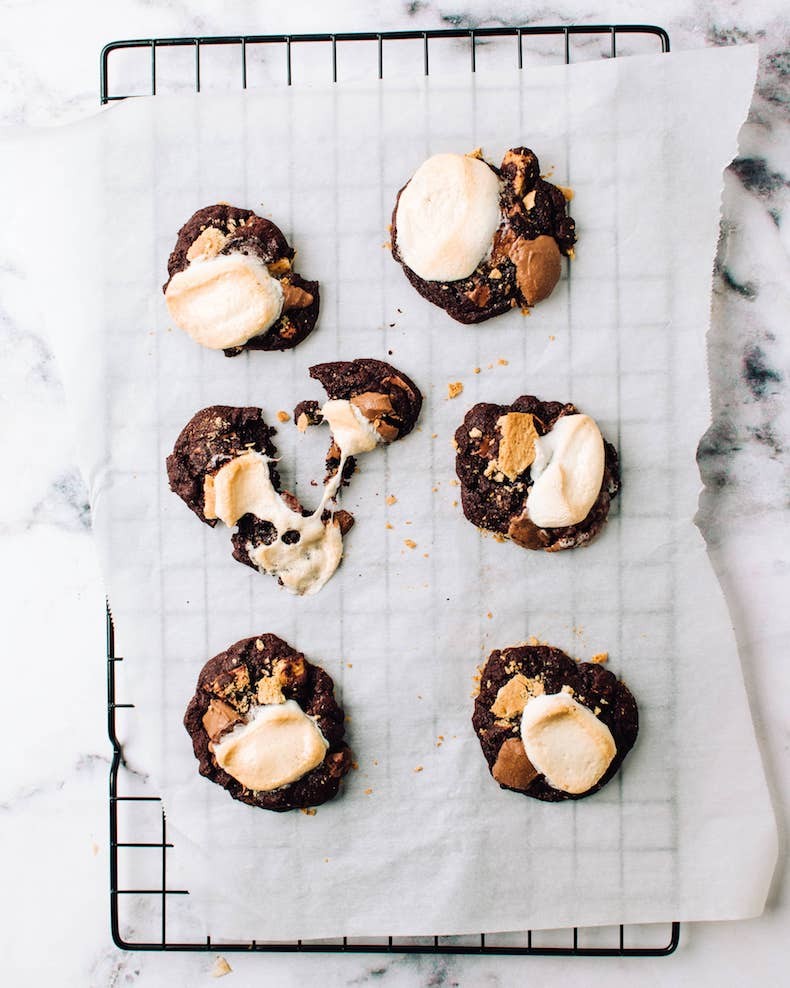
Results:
x,y
265,725
503,450
540,713
232,285
382,395
477,240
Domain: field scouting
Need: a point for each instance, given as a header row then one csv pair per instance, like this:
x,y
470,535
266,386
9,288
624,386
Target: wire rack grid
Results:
x,y
619,941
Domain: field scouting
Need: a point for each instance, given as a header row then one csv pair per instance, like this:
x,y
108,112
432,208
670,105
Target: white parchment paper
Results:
x,y
422,840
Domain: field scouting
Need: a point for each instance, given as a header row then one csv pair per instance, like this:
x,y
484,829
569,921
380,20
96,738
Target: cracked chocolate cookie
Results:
x,y
477,240
549,727
265,725
232,285
223,466
370,403
537,472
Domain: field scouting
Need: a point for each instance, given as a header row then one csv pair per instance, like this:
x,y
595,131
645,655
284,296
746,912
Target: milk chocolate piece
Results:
x,y
512,767
219,717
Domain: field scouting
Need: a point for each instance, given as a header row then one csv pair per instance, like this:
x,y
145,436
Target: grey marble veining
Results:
x,y
53,800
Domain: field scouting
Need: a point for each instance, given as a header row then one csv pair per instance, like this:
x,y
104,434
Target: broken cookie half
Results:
x,y
369,403
478,240
536,472
549,727
266,726
232,285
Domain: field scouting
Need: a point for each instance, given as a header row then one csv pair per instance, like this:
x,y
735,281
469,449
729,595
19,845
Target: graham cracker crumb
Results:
x,y
309,810
410,543
454,388
388,526
502,362
283,416
220,968
368,792
418,768
600,657
477,370
489,615
390,499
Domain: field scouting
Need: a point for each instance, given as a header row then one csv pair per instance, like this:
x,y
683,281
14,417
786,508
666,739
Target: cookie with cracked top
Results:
x,y
265,674
513,677
520,264
269,306
497,502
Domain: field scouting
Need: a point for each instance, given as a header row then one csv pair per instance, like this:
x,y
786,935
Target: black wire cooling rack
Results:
x,y
146,923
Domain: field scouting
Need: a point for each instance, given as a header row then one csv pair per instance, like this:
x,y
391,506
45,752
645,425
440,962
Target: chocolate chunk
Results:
x,y
512,768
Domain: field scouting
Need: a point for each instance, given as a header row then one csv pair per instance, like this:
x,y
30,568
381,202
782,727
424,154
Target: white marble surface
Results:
x,y
53,826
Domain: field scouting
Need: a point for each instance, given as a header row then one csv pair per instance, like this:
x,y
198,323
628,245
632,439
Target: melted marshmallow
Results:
x,y
566,742
225,300
277,745
244,486
447,217
352,432
568,472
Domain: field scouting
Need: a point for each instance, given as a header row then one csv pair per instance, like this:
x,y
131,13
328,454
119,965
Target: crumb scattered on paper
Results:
x,y
454,388
283,416
221,968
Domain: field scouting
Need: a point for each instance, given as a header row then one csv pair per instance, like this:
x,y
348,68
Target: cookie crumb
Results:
x,y
410,543
454,388
489,615
368,792
502,362
283,416
308,810
418,768
350,665
600,657
221,968
390,499
388,526
477,370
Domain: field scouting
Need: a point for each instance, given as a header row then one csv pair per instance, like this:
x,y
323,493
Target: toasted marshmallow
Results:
x,y
568,472
277,745
225,300
447,216
566,742
351,430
